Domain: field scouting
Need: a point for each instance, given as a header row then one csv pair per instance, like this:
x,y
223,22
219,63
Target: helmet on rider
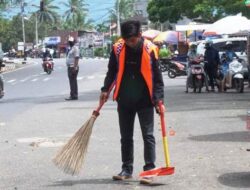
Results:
x,y
229,45
208,43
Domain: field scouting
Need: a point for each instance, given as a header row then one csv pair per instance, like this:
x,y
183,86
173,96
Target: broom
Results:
x,y
70,158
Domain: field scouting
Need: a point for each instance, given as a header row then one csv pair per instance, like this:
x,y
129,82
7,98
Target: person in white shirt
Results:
x,y
72,61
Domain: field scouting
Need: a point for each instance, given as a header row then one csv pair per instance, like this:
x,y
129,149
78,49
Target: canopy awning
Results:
x,y
192,27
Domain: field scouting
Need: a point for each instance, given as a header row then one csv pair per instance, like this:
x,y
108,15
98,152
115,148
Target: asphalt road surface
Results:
x,y
207,132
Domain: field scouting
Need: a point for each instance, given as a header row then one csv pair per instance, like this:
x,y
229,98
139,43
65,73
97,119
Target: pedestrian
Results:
x,y
212,62
72,61
133,66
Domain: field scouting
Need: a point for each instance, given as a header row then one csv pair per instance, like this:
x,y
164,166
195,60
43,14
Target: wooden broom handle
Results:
x,y
97,110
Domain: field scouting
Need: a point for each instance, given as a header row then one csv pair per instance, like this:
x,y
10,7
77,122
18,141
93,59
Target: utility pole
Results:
x,y
118,18
36,31
22,13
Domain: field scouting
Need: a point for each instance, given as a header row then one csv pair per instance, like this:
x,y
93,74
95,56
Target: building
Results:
x,y
141,14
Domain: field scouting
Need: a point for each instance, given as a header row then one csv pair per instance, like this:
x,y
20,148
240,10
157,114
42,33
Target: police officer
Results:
x,y
72,60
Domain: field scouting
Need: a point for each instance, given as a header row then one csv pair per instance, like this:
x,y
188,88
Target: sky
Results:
x,y
98,9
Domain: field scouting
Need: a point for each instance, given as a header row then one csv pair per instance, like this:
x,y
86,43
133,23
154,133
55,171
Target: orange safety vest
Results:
x,y
146,67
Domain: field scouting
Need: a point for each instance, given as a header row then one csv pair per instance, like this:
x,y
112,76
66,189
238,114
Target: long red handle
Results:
x,y
163,125
164,135
97,110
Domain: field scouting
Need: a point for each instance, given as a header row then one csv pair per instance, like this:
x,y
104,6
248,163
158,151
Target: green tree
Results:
x,y
102,27
75,8
76,15
126,10
205,10
48,14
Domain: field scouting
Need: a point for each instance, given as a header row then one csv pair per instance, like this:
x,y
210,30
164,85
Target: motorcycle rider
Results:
x,y
212,61
230,55
193,58
46,55
164,52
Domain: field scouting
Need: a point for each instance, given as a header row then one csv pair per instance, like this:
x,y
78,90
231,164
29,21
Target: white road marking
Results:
x,y
46,79
10,81
80,78
102,76
2,124
25,79
91,77
34,80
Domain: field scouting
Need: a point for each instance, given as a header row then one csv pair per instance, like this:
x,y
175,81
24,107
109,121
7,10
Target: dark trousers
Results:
x,y
126,121
1,83
72,74
211,72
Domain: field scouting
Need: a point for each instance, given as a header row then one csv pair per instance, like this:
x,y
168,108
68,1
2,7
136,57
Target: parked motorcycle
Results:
x,y
235,75
164,64
198,78
1,80
177,69
48,65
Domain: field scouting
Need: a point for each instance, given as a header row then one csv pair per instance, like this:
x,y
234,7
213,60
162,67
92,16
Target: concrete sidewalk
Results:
x,y
12,64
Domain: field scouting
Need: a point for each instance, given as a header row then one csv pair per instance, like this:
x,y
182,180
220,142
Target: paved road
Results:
x,y
207,147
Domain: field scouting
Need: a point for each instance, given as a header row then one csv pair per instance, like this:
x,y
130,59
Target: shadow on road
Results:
x,y
107,181
237,180
239,136
87,96
178,101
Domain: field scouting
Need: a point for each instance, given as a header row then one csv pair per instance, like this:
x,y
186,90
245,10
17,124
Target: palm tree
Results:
x,y
76,8
102,27
126,9
75,16
79,23
48,14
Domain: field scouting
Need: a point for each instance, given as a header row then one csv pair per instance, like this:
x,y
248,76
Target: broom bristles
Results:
x,y
70,158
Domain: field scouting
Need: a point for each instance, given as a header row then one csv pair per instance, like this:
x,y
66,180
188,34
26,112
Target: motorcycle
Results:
x,y
1,80
177,69
48,65
197,78
164,64
235,75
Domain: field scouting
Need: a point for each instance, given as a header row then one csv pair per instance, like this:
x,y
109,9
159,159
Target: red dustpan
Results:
x,y
163,170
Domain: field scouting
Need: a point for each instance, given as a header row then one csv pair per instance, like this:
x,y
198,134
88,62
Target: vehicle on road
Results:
x,y
236,76
177,68
48,65
164,64
239,45
198,79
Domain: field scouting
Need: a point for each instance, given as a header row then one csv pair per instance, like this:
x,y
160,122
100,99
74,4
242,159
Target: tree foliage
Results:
x,y
203,10
48,14
76,15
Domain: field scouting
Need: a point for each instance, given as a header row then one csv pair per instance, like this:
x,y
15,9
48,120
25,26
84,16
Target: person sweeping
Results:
x,y
139,87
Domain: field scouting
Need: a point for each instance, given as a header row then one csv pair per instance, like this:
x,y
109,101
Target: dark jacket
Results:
x,y
212,58
132,69
46,54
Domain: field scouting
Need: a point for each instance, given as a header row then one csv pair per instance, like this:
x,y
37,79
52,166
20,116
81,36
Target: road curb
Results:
x,y
11,65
